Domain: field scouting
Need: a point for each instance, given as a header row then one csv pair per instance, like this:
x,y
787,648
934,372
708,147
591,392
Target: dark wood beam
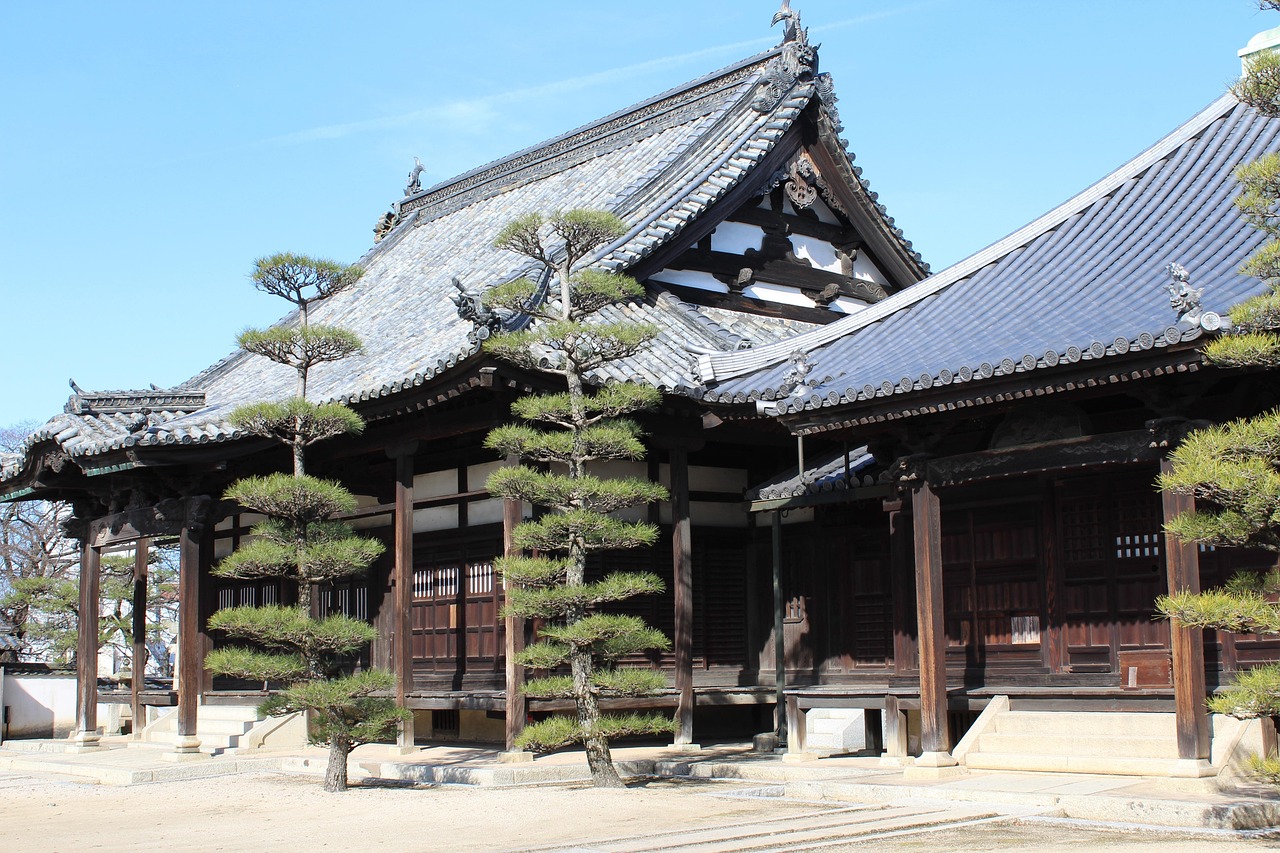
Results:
x,y
513,640
138,665
935,740
87,646
403,583
682,583
1182,562
190,646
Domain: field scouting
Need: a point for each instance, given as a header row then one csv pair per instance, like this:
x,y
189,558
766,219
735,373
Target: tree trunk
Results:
x,y
335,774
599,759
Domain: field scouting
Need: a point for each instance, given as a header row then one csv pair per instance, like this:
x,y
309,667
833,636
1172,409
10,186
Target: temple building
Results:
x,y
912,505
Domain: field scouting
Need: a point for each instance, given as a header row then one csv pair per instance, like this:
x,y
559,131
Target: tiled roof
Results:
x,y
1087,281
658,166
835,472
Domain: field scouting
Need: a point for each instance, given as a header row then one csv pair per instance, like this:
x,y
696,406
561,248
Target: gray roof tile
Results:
x,y
1087,281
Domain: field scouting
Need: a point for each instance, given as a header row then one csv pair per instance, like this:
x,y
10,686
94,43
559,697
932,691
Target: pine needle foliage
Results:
x,y
567,431
299,543
1233,470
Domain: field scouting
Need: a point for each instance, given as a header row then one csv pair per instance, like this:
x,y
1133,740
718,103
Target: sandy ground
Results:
x,y
268,812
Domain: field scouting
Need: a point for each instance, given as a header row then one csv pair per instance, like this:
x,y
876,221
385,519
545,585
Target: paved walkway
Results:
x,y
849,785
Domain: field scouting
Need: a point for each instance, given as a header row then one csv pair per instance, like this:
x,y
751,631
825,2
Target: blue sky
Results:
x,y
150,151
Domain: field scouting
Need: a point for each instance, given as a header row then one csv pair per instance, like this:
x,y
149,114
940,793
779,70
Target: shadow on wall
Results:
x,y
38,705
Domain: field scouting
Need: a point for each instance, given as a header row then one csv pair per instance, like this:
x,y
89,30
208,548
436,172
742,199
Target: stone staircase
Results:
x,y
221,728
1117,743
834,731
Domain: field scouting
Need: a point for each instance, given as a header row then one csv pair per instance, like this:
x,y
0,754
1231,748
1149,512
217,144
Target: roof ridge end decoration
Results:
x,y
729,365
142,401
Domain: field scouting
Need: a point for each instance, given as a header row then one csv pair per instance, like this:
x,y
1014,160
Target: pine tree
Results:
x,y
565,432
1233,470
299,543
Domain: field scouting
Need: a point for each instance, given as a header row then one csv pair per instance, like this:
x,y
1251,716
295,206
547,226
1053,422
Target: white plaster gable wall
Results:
x,y
692,278
778,293
736,238
864,270
820,253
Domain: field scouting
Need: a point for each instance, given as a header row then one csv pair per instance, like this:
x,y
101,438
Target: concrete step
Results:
x,y
1110,724
1078,745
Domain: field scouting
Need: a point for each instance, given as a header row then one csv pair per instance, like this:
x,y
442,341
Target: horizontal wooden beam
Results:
x,y
167,518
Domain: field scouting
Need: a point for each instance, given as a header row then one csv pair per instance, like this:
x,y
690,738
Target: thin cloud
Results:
x,y
482,107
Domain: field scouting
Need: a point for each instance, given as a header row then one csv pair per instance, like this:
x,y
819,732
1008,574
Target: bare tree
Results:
x,y
38,568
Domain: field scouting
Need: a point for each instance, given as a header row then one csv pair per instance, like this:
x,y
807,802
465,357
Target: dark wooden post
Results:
x,y
682,581
87,735
900,579
779,641
190,645
402,648
139,664
926,515
513,641
1182,561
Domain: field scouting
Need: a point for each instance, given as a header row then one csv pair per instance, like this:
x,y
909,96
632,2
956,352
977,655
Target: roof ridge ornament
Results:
x,y
1185,300
485,321
797,61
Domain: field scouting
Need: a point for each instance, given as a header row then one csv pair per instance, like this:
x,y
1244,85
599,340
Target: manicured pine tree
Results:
x,y
298,543
564,432
1233,470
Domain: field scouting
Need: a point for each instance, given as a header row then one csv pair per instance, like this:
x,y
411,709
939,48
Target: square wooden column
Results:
x,y
1182,562
87,735
682,583
141,552
517,705
402,573
190,643
935,740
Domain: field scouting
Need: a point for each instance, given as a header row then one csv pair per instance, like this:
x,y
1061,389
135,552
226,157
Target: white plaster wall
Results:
x,y
778,293
691,278
847,305
40,706
435,518
435,484
820,253
864,270
736,237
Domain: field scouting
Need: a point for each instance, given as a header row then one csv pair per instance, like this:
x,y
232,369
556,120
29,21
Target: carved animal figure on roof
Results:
x,y
415,178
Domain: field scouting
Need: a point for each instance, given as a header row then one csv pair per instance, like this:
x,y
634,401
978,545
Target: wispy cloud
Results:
x,y
484,107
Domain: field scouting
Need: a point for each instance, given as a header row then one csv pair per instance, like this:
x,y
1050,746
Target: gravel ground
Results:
x,y
268,812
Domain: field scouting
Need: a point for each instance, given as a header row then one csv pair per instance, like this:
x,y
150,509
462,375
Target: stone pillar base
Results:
x,y
933,765
896,761
185,748
1193,768
686,747
767,742
799,757
515,756
85,742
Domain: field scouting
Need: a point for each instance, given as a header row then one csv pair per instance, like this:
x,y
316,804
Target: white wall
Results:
x,y
39,706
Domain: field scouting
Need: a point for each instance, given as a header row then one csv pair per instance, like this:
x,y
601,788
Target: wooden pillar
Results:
x,y
517,705
926,515
895,732
682,581
402,573
190,647
1182,561
87,735
139,663
779,640
902,585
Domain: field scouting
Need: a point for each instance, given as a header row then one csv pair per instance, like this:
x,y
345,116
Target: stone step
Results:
x,y
1108,724
229,712
1042,763
1095,745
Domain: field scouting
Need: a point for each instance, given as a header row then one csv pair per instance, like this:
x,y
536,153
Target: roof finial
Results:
x,y
415,180
1183,298
792,31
